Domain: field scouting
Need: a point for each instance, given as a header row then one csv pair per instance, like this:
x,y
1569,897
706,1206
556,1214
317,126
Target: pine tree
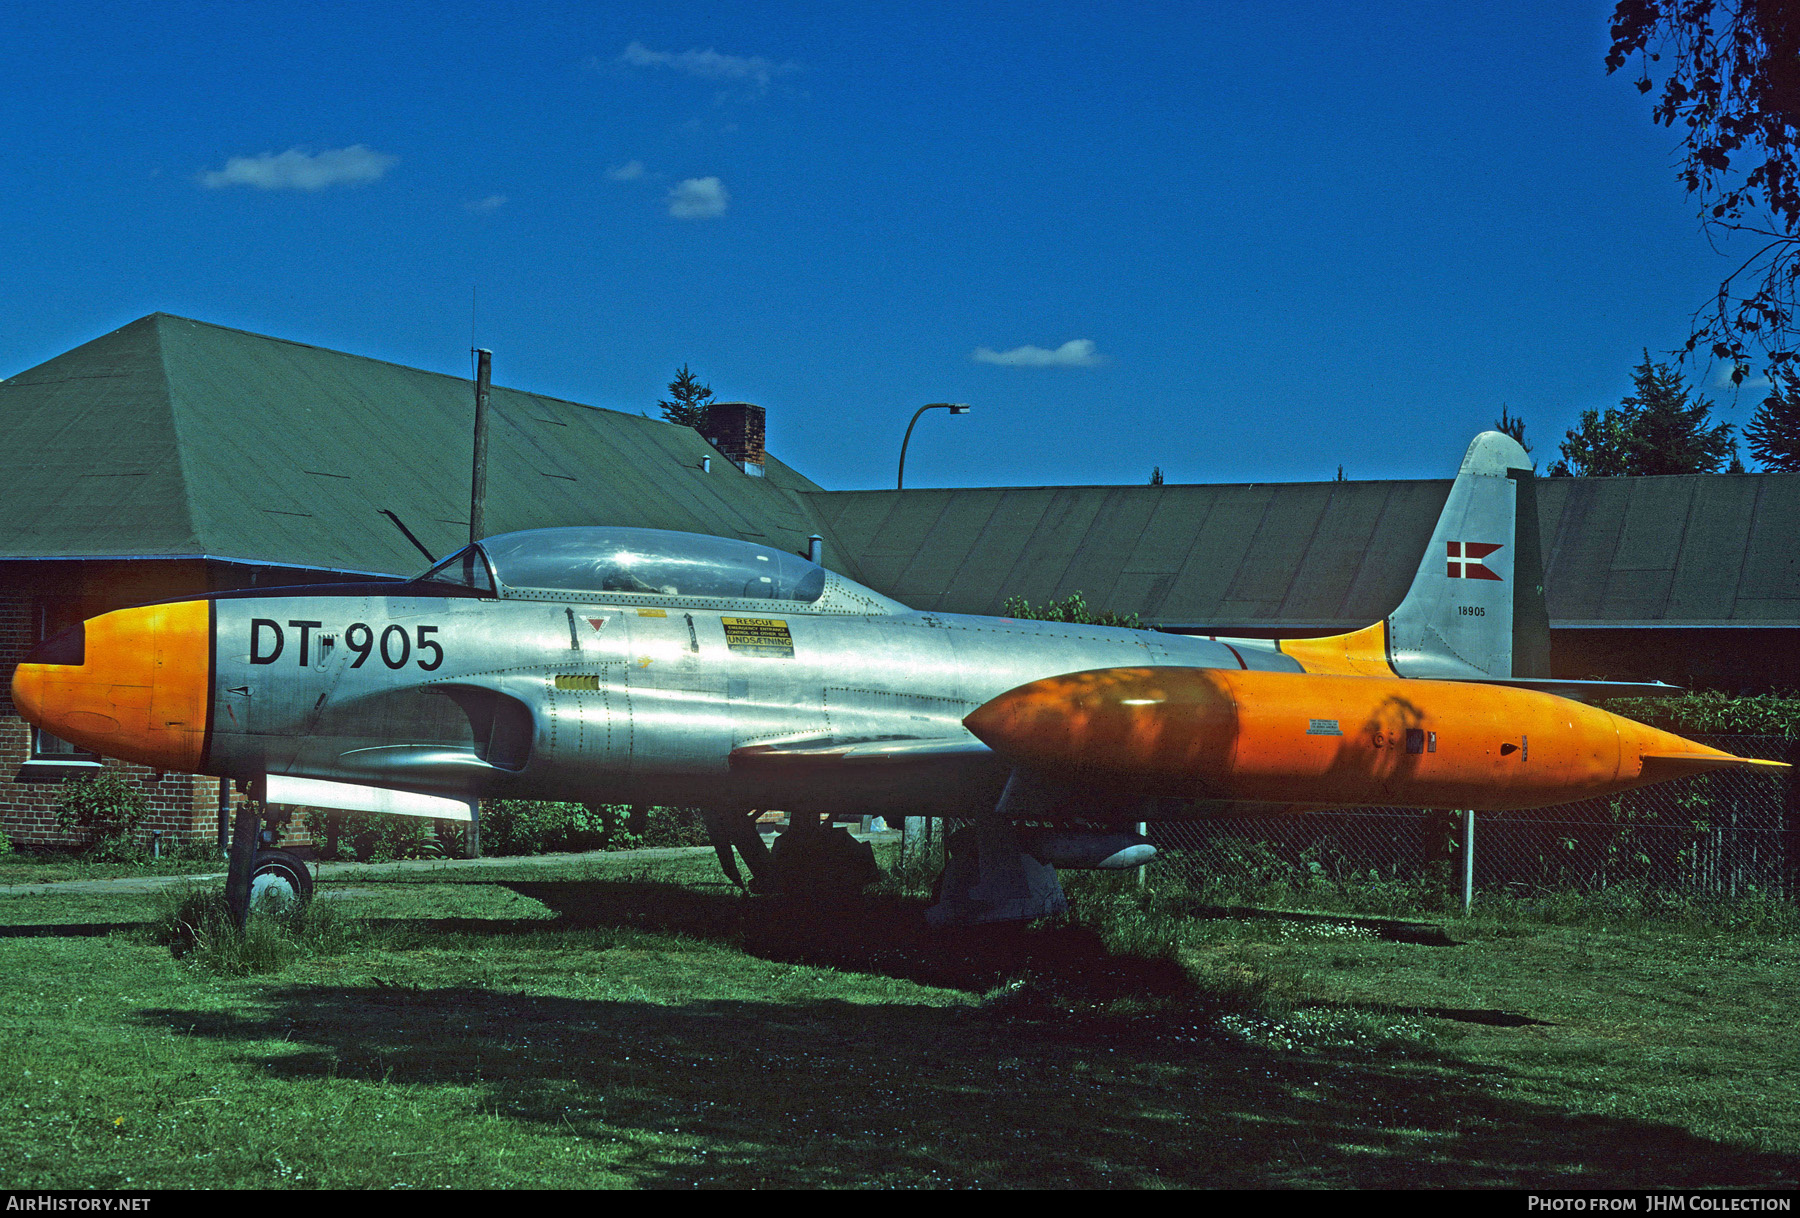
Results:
x,y
1669,433
691,399
1597,447
1512,425
1654,430
1774,431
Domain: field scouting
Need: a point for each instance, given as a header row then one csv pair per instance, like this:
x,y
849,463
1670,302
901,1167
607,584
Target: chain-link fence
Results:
x,y
1716,837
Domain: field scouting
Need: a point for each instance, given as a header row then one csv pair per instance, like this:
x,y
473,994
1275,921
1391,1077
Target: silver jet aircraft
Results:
x,y
624,665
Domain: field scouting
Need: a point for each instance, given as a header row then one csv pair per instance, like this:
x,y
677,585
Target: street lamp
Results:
x,y
952,407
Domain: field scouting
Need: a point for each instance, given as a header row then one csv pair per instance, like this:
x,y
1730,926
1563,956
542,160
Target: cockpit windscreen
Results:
x,y
464,569
650,562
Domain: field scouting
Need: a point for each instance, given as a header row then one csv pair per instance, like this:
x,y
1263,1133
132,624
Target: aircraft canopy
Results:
x,y
653,562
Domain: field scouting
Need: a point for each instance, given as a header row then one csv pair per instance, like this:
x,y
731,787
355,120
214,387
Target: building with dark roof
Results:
x,y
172,457
1692,578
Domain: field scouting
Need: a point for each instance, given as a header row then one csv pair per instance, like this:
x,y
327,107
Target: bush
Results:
x,y
1073,609
674,827
508,827
532,826
536,826
106,810
1710,712
373,838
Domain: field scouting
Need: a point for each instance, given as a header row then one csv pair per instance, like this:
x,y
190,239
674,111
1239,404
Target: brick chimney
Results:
x,y
736,430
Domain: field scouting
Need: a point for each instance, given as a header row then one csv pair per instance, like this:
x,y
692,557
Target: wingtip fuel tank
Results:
x,y
1304,738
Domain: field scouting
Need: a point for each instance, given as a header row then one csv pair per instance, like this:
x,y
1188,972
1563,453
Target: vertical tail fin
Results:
x,y
1476,604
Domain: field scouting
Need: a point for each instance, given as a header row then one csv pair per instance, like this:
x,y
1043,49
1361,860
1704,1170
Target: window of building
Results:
x,y
52,617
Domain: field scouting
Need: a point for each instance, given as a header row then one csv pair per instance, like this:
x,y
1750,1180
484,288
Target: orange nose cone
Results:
x,y
132,684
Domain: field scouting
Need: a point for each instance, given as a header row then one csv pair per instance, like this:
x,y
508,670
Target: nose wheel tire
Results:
x,y
279,879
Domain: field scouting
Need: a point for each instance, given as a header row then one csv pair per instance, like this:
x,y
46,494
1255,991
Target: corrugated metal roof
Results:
x,y
173,437
170,436
1694,550
1699,550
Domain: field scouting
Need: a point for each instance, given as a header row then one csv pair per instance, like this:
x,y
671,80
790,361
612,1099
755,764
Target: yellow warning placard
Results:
x,y
767,637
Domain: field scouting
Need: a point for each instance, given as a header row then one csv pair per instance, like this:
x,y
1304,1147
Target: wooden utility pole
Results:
x,y
484,368
484,365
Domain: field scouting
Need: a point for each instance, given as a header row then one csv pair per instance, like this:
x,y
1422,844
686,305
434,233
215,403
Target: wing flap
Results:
x,y
836,754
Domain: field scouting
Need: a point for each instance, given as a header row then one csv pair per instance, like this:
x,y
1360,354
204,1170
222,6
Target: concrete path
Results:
x,y
326,873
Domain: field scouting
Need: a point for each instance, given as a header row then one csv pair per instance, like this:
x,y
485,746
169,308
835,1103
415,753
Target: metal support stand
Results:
x,y
224,816
999,880
1468,860
814,857
915,836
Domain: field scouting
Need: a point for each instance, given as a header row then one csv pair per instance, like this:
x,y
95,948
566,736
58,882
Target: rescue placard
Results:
x,y
767,637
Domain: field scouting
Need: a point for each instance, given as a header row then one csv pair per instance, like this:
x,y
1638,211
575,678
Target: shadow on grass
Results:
x,y
827,1093
68,930
1486,1016
883,935
1394,930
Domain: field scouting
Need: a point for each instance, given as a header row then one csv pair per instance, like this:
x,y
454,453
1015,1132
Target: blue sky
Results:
x,y
1238,242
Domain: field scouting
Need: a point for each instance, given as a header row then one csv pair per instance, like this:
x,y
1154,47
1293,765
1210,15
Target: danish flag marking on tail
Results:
x,y
1464,560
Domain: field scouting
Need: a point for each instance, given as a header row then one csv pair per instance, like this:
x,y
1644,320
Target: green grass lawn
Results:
x,y
50,867
611,1024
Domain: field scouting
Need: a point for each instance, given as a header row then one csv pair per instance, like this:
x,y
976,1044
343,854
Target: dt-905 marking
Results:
x,y
396,644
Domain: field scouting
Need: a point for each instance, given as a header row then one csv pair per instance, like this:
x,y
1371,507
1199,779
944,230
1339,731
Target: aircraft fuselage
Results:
x,y
629,703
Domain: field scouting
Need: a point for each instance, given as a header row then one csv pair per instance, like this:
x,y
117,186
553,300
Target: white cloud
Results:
x,y
708,64
698,199
1076,353
483,206
1723,379
296,170
630,171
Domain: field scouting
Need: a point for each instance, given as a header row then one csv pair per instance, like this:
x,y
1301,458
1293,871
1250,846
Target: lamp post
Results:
x,y
952,407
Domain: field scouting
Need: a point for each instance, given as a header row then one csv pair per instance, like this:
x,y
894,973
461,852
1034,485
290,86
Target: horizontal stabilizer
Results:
x,y
350,797
1581,691
815,754
1674,765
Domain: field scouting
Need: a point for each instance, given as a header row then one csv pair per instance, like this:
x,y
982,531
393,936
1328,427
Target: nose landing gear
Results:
x,y
260,877
278,880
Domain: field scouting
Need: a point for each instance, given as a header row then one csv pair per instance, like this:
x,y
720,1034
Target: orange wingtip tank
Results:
x,y
131,684
1300,738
